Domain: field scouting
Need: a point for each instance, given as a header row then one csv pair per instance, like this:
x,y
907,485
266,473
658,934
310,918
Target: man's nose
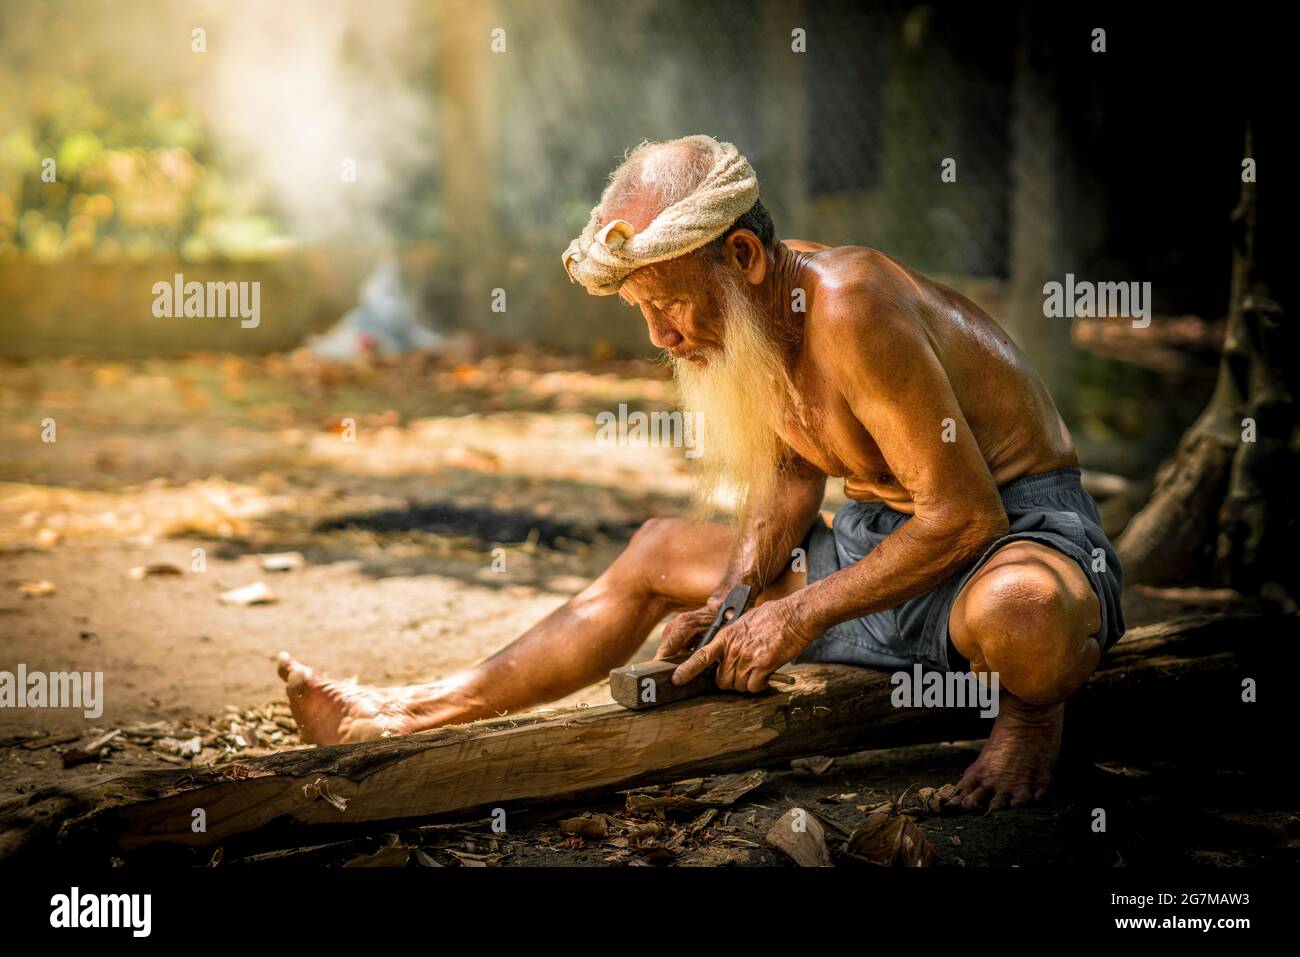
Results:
x,y
663,335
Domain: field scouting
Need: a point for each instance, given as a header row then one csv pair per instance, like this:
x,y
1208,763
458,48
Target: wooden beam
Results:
x,y
1162,680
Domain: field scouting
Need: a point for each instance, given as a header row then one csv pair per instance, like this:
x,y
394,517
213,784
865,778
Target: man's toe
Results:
x,y
1021,796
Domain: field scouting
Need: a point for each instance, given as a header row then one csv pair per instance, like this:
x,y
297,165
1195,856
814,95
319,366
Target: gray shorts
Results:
x,y
1051,508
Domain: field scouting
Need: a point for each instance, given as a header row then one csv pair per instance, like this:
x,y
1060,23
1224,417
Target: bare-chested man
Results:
x,y
967,542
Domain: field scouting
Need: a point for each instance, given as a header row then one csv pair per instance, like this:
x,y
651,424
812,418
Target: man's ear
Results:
x,y
743,251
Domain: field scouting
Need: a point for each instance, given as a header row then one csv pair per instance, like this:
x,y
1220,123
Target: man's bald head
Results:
x,y
653,177
656,175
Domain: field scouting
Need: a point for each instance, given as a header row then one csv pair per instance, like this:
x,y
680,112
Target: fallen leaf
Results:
x,y
890,840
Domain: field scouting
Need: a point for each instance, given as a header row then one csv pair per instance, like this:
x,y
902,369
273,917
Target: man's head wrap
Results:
x,y
603,256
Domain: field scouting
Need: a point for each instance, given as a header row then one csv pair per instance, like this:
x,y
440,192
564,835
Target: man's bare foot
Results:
x,y
1015,767
341,712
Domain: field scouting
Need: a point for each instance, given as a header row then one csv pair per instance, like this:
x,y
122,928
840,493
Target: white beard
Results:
x,y
737,395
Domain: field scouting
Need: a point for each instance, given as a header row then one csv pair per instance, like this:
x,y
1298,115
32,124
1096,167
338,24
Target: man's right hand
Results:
x,y
683,631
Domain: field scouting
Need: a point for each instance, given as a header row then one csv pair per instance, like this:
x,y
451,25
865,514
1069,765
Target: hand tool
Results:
x,y
649,683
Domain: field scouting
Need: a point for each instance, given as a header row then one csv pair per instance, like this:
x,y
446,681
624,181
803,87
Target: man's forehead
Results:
x,y
656,279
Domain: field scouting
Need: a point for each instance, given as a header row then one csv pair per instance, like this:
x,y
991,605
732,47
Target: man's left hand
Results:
x,y
750,648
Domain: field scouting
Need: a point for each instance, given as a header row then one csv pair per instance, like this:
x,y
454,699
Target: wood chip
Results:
x,y
281,561
395,856
155,570
644,831
91,752
591,826
703,820
468,860
937,800
731,788
799,836
37,589
255,594
50,741
818,765
320,788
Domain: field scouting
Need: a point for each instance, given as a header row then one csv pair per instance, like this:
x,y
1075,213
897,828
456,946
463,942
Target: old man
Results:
x,y
967,541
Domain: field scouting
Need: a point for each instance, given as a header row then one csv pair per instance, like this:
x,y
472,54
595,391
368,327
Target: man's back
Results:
x,y
859,297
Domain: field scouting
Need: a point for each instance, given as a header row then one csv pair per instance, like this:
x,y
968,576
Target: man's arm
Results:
x,y
774,527
899,391
771,531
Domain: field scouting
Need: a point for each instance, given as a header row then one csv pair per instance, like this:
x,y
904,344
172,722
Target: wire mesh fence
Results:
x,y
847,112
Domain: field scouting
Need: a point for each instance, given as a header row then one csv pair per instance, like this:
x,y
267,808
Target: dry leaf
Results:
x,y
890,840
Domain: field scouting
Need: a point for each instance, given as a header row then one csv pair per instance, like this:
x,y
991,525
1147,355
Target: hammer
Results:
x,y
649,683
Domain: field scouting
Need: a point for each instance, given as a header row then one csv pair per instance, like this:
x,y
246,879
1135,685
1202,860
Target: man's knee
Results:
x,y
649,548
652,537
1032,619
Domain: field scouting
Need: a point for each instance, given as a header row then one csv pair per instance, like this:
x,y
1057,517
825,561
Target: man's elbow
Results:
x,y
969,534
981,531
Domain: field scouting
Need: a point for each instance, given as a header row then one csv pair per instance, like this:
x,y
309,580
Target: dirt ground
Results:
x,y
405,485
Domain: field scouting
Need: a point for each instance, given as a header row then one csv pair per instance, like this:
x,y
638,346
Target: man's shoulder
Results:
x,y
858,288
849,269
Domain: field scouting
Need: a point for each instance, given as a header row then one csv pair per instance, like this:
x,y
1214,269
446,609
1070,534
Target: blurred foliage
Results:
x,y
133,175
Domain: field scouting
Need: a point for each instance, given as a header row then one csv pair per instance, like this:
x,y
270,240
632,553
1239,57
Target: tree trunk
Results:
x,y
1223,512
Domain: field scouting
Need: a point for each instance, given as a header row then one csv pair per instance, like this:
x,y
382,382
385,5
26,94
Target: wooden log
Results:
x,y
1161,680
